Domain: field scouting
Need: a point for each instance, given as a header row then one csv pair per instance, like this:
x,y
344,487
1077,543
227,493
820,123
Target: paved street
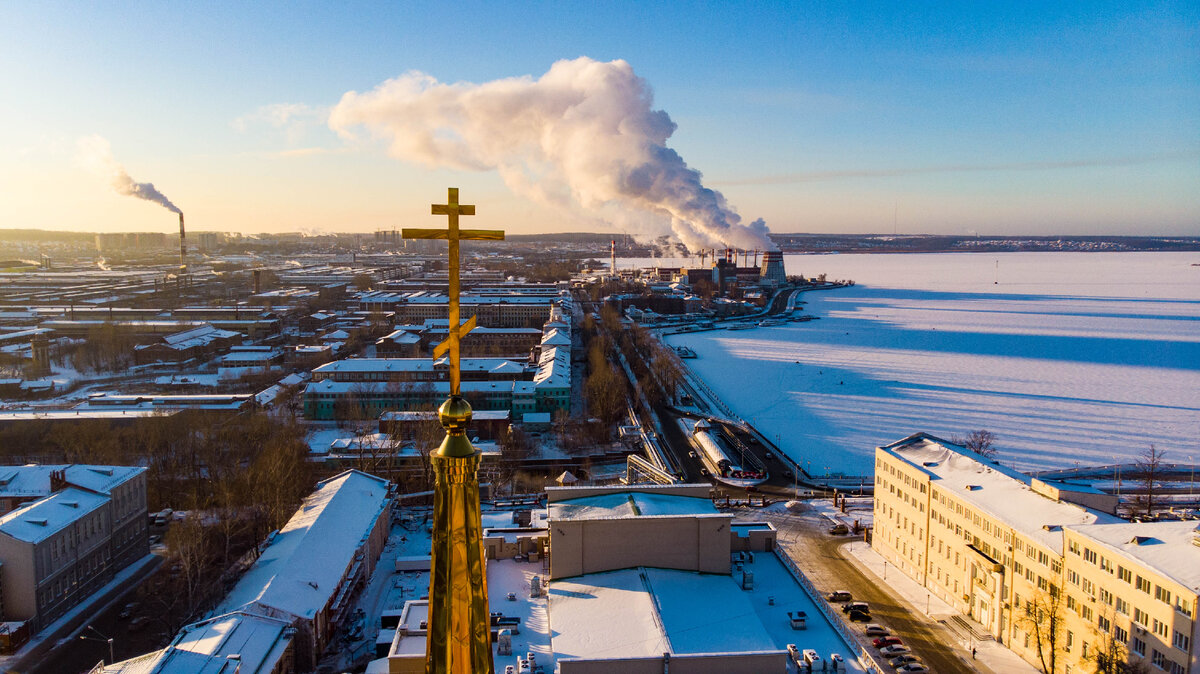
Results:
x,y
804,536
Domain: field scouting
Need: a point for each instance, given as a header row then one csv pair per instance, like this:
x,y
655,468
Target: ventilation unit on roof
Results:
x,y
930,464
71,504
974,487
1052,527
1140,540
39,522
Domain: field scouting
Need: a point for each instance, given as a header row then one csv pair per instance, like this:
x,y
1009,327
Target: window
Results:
x,y
1181,641
1158,659
1162,594
1140,617
1070,639
1104,624
1073,547
1073,578
1089,555
1161,629
1124,574
1121,635
1143,584
1138,646
1106,596
1122,606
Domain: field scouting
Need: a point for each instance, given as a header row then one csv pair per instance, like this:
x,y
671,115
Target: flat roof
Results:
x,y
1170,548
645,612
629,504
1005,493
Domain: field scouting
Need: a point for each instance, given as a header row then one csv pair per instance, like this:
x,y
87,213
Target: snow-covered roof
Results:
x,y
411,365
629,504
400,337
554,368
1169,548
204,647
645,612
555,337
301,568
34,480
438,387
423,415
37,520
1003,492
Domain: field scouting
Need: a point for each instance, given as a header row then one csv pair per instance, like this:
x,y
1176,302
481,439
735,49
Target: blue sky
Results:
x,y
1014,118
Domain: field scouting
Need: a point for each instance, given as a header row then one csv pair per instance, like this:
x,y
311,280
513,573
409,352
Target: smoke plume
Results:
x,y
95,154
582,137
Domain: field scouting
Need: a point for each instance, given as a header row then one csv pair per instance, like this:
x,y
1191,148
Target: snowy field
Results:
x,y
1066,357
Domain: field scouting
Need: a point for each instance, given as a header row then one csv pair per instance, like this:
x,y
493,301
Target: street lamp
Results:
x,y
111,659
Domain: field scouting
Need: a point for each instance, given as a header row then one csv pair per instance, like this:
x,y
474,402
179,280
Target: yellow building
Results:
x,y
993,543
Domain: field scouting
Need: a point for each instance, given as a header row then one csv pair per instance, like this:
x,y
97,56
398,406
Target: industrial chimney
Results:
x,y
612,269
182,247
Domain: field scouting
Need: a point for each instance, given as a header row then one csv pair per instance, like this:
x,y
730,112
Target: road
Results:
x,y
803,535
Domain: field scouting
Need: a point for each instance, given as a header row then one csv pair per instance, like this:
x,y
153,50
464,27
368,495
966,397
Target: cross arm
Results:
x,y
471,234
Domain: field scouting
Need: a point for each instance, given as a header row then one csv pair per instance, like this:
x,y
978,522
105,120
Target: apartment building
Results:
x,y
1023,558
69,531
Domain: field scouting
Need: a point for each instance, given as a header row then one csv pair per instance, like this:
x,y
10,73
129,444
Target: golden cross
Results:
x,y
452,209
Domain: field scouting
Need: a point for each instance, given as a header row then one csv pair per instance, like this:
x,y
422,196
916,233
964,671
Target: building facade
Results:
x,y
1022,557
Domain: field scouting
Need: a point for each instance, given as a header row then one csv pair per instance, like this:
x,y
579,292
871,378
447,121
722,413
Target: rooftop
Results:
x,y
1003,492
629,504
205,648
1169,548
37,520
301,567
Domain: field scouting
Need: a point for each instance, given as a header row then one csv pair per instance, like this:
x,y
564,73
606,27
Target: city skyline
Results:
x,y
1017,120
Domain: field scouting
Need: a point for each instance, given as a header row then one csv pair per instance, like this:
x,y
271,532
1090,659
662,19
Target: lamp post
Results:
x,y
102,639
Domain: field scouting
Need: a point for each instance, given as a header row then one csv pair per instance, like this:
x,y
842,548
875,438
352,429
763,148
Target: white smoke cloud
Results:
x,y
582,137
94,153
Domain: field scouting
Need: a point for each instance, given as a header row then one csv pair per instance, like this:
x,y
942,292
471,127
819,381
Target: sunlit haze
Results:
x,y
693,120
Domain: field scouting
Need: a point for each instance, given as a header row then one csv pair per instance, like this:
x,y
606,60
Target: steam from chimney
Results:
x,y
95,154
582,137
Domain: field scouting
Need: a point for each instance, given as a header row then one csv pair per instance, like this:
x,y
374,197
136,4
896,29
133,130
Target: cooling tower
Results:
x,y
772,268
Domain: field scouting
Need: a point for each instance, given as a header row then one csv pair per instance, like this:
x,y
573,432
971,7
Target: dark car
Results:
x,y
838,596
860,617
860,606
886,641
903,660
839,530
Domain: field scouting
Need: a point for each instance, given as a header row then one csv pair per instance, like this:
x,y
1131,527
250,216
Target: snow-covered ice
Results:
x,y
1066,357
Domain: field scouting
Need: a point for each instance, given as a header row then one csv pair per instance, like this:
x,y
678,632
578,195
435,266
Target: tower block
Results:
x,y
459,637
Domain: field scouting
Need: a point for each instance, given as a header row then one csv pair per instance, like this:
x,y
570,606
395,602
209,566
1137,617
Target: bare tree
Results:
x,y
1149,469
1043,618
981,442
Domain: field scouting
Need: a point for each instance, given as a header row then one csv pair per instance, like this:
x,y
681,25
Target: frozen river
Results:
x,y
1066,357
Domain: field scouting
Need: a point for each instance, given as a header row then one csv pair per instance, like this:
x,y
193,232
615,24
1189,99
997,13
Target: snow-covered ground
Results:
x,y
1066,357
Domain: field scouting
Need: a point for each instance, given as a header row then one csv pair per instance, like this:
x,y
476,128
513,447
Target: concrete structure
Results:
x,y
310,570
773,272
493,311
66,532
1009,550
201,342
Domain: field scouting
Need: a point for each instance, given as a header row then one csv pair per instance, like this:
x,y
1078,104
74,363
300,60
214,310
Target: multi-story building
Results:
x,y
494,311
67,531
1022,557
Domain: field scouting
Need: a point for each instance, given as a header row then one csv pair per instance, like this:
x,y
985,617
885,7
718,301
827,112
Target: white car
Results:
x,y
894,650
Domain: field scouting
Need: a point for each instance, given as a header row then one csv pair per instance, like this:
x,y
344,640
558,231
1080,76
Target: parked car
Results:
x,y
138,623
894,650
839,530
885,641
876,630
859,617
839,595
903,660
913,667
860,606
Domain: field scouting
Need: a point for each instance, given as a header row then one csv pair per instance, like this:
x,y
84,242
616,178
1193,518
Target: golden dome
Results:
x,y
455,414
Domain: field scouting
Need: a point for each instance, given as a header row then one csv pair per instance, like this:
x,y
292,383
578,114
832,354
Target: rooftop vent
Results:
x,y
930,464
39,522
974,487
1141,540
71,504
1052,527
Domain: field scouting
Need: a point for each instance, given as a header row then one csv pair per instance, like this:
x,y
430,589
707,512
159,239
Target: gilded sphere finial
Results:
x,y
455,414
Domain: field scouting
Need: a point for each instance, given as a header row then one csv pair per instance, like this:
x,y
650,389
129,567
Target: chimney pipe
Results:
x,y
182,247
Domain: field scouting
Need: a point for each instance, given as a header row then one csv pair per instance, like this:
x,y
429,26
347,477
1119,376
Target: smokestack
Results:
x,y
182,247
612,269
